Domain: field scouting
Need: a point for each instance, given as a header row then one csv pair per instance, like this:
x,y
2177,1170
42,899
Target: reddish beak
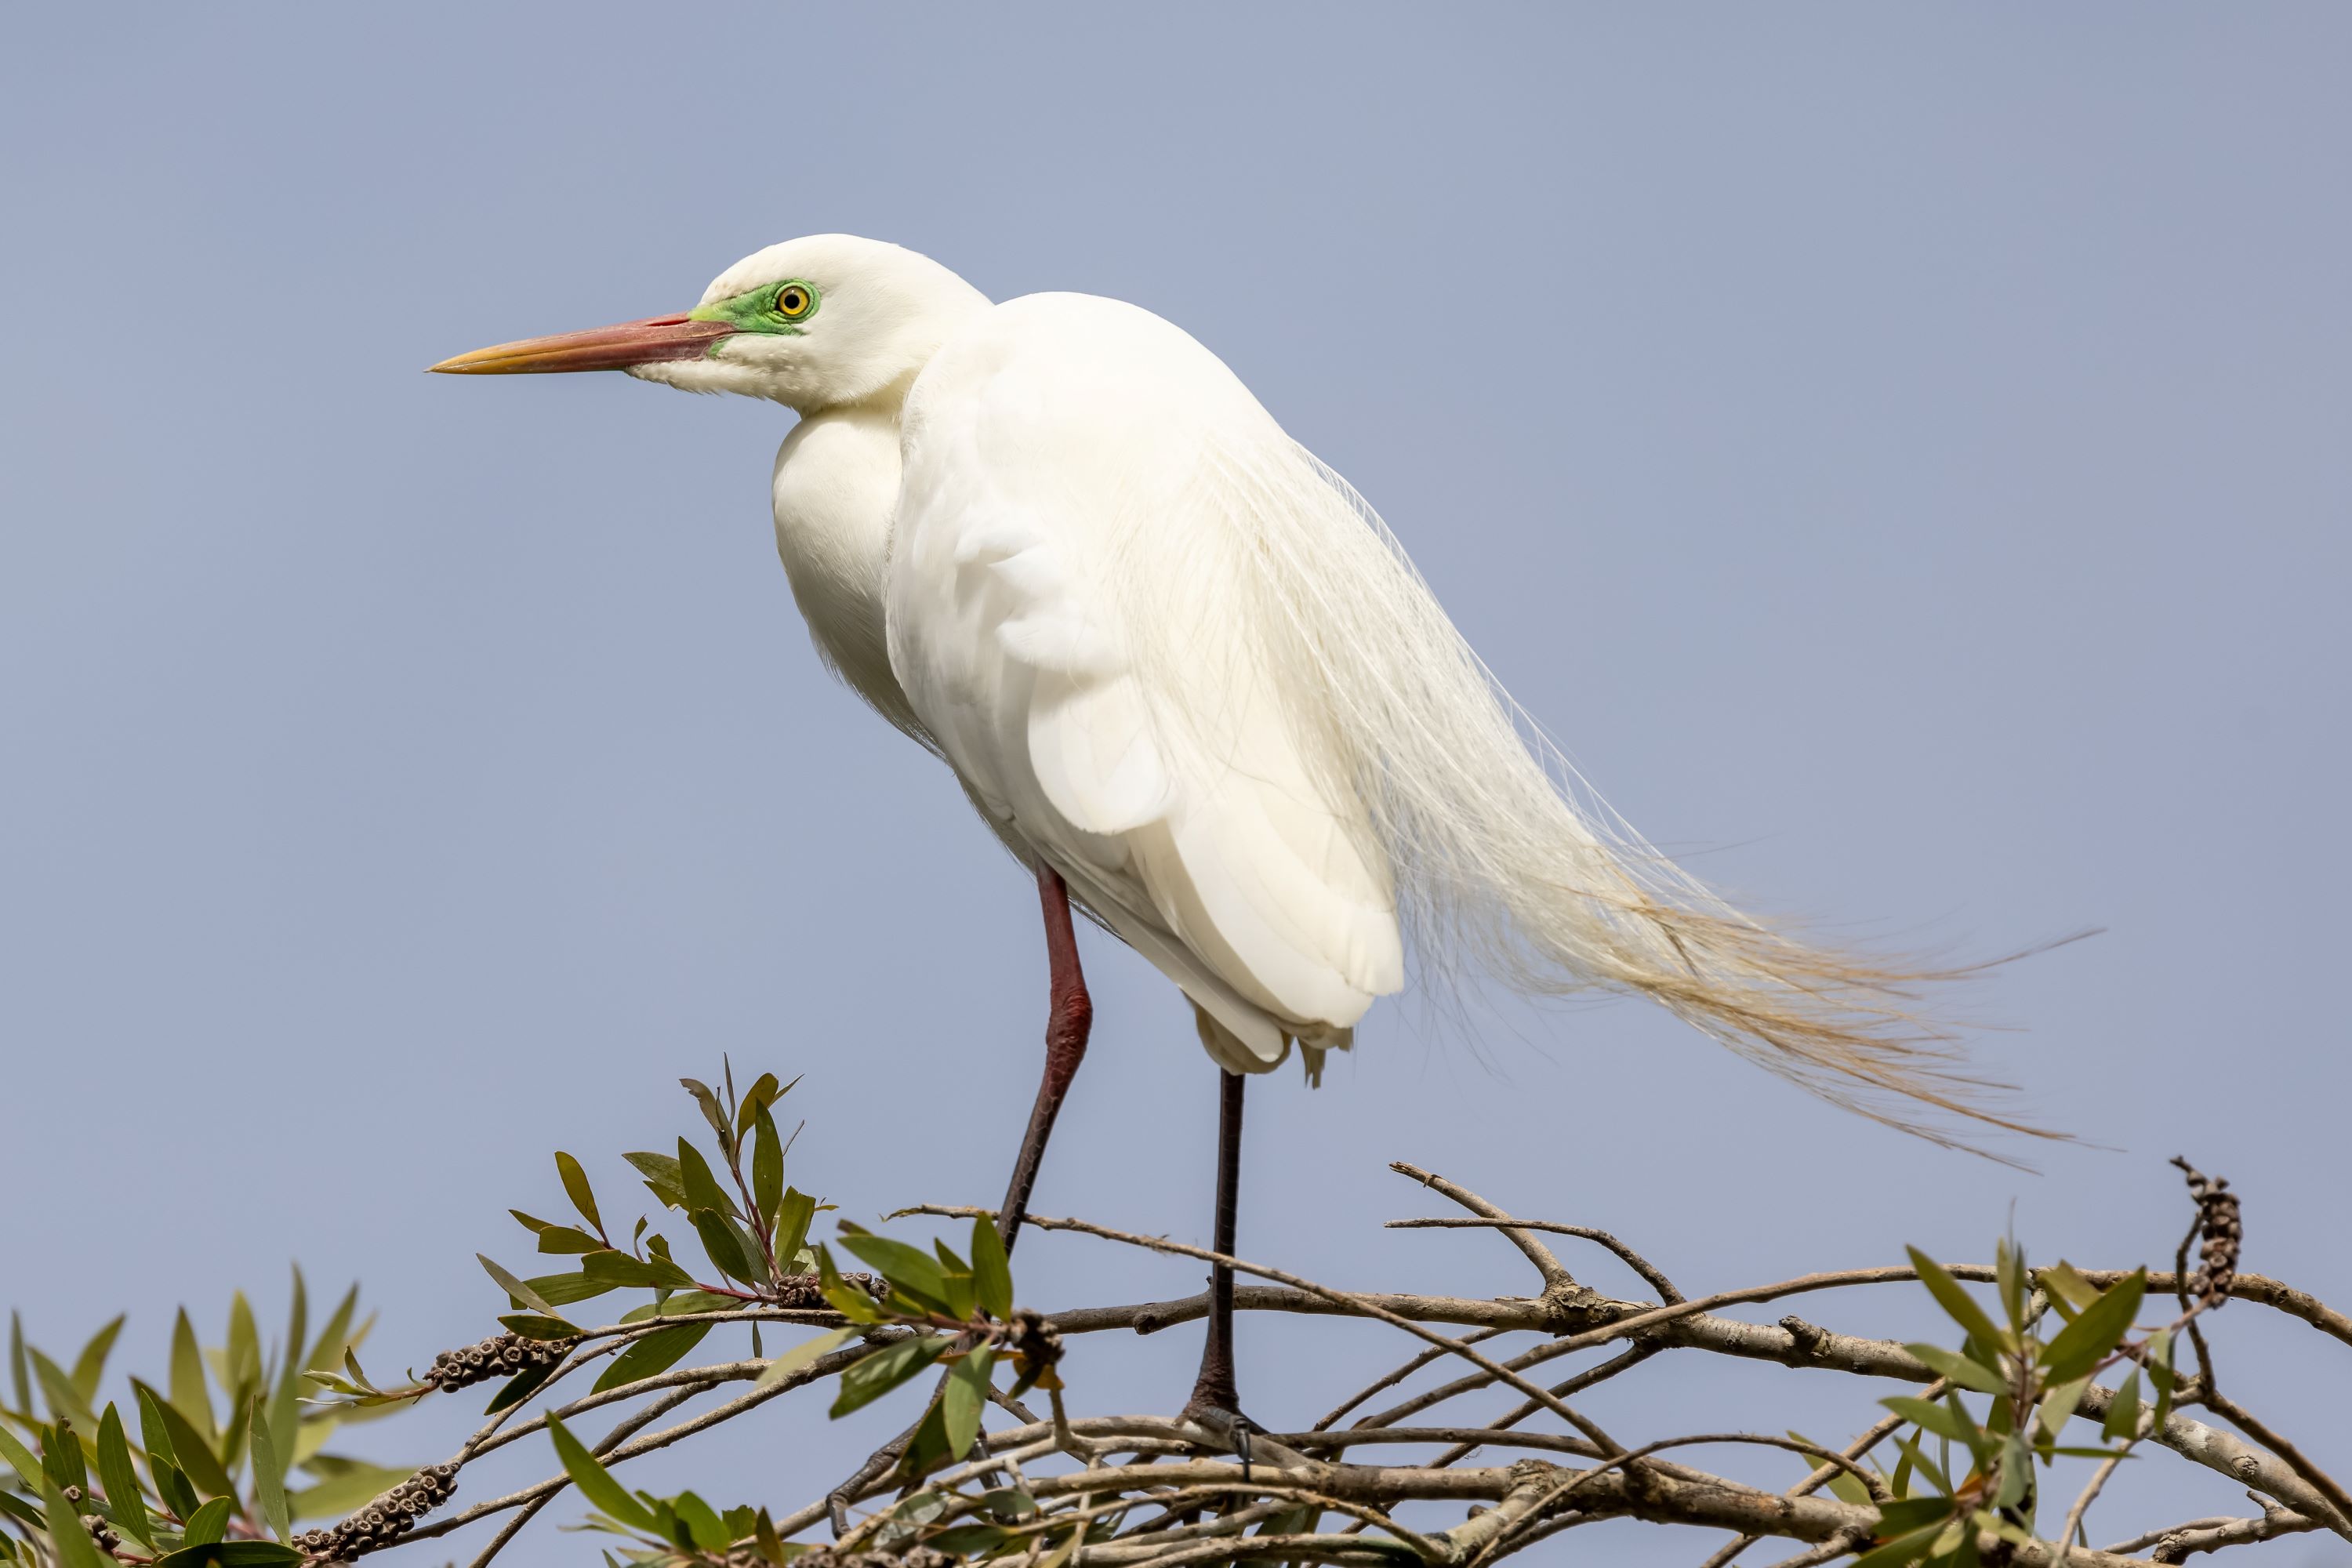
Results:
x,y
649,341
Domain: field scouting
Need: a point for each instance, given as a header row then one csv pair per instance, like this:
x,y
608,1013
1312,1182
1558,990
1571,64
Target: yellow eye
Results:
x,y
793,303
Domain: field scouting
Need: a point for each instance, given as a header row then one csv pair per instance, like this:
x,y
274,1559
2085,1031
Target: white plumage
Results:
x,y
1172,656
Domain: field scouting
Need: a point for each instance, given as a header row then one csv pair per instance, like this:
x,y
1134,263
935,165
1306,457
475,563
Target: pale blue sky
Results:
x,y
1900,451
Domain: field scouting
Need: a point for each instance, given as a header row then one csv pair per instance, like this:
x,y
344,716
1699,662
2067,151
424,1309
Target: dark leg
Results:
x,y
1214,1397
1069,1017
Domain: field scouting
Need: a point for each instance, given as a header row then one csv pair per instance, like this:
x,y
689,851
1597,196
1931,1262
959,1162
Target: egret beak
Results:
x,y
649,341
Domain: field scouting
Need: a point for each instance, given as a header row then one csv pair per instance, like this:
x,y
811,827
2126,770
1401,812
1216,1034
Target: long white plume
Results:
x,y
1504,862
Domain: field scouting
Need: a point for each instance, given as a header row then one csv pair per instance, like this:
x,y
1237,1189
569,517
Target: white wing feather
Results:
x,y
1061,618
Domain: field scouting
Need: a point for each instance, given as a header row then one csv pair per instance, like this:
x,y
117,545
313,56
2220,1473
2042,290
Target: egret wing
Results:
x,y
1069,616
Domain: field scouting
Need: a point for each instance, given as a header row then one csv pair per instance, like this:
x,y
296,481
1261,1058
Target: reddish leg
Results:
x,y
1069,1017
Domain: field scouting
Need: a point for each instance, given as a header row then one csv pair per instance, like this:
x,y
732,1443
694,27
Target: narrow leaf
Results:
x,y
711,1113
268,1477
1953,1299
577,1188
2081,1343
67,1540
991,1271
188,1394
126,1501
2123,1412
1960,1368
193,1452
877,1374
595,1482
805,1354
767,1167
520,1387
1932,1417
90,1367
523,1294
963,1396
792,1217
533,1326
656,1353
208,1523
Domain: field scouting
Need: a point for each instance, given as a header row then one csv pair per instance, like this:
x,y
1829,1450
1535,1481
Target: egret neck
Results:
x,y
836,481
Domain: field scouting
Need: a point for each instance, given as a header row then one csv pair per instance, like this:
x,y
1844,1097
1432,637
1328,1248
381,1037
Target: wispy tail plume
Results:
x,y
1506,861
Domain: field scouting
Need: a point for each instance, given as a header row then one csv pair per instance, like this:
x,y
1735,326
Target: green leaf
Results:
x,y
1903,1549
524,1296
268,1477
208,1523
232,1554
1843,1484
152,1433
872,1377
2009,1271
687,1302
710,1113
611,1268
191,1450
701,1187
851,1303
21,1460
2160,1372
702,1523
963,1396
2068,1290
65,1400
286,1398
68,1541
792,1217
2058,1405
656,1353
1959,1369
563,1289
725,1247
173,1486
991,1271
90,1367
805,1354
596,1484
128,1503
244,1348
20,1375
2081,1343
661,1176
1957,1302
532,1326
2016,1470
909,1269
2122,1411
1932,1417
327,1350
188,1394
758,1098
577,1188
567,1240
61,1457
767,1164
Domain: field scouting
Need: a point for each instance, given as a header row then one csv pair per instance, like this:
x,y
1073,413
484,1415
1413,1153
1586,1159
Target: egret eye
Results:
x,y
793,303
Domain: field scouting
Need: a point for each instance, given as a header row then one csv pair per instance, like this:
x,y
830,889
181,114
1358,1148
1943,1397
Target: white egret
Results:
x,y
1188,678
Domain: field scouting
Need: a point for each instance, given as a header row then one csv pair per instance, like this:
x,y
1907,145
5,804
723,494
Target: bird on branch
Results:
x,y
1191,681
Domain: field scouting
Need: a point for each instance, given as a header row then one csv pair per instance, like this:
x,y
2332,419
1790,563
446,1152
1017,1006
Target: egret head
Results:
x,y
820,322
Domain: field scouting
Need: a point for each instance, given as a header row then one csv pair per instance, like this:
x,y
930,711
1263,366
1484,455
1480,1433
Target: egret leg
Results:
x,y
1069,1018
1215,1400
